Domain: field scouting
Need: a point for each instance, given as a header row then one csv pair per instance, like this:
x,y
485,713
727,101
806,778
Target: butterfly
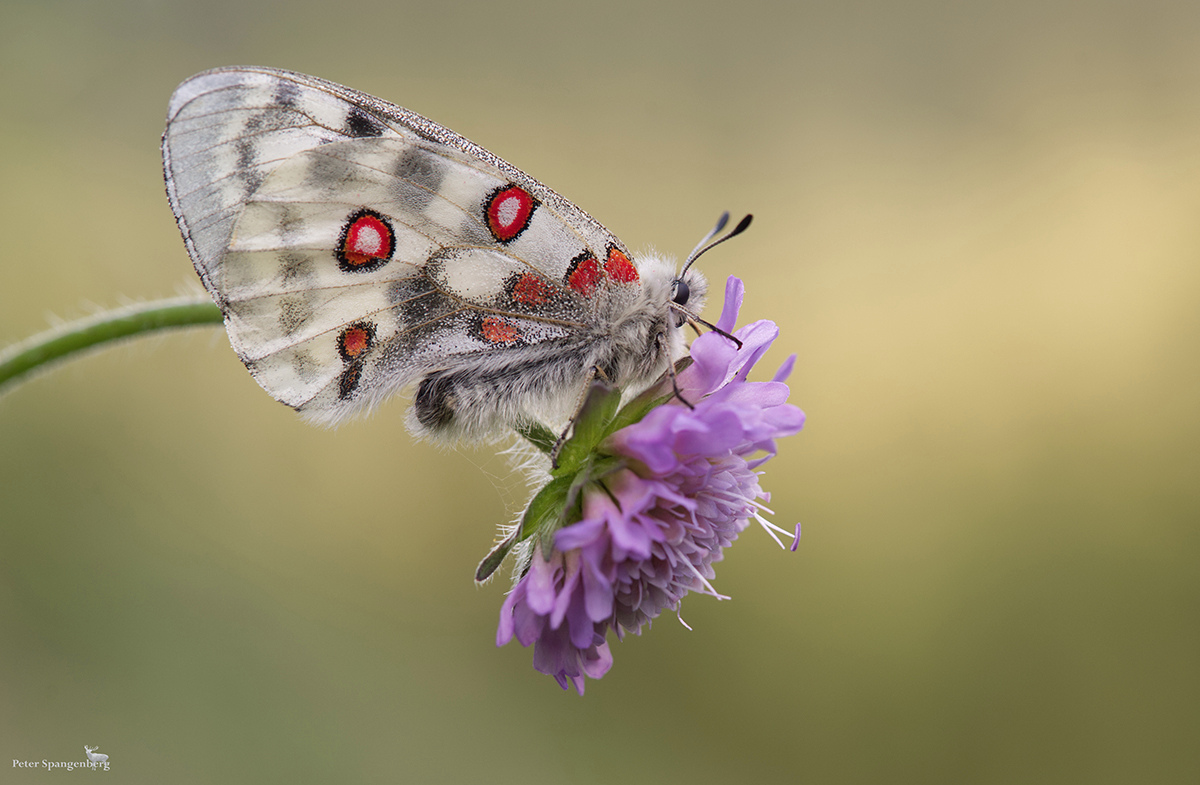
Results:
x,y
356,248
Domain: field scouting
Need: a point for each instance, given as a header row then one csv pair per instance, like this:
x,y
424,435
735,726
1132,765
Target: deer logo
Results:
x,y
93,756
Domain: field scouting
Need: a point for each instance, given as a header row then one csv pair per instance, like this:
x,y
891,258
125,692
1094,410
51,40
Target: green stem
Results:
x,y
19,361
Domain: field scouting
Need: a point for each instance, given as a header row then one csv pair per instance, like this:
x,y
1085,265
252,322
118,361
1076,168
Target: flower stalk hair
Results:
x,y
644,500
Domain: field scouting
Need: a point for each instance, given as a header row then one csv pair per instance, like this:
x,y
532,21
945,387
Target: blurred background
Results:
x,y
977,226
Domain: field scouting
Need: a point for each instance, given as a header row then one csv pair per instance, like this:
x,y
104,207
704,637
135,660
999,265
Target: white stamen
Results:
x,y
704,581
764,508
768,526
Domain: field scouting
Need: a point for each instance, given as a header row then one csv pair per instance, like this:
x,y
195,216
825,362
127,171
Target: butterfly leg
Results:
x,y
660,342
593,373
675,387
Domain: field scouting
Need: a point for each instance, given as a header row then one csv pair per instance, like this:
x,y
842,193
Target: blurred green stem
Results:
x,y
20,361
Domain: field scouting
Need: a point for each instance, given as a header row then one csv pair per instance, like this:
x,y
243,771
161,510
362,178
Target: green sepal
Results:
x,y
495,557
547,508
538,435
604,465
589,429
546,543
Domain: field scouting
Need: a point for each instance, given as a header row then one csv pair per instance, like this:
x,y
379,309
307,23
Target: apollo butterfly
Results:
x,y
356,248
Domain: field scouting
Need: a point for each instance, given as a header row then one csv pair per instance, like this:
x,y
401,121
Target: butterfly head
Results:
x,y
687,295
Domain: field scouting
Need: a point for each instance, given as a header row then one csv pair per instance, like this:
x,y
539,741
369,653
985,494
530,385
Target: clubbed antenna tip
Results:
x,y
705,246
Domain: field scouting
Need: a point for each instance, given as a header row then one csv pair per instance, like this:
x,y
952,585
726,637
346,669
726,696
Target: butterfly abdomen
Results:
x,y
478,395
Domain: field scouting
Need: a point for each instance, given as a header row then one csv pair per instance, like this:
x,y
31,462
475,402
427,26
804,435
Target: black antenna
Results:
x,y
705,246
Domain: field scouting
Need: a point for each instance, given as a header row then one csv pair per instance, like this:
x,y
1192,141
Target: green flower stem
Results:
x,y
20,361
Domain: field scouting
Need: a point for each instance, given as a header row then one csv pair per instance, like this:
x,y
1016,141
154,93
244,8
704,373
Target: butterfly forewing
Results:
x,y
355,246
227,130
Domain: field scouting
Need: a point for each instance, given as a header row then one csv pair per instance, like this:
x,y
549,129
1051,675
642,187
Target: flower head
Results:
x,y
651,508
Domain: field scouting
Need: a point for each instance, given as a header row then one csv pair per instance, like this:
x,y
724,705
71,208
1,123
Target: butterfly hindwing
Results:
x,y
355,246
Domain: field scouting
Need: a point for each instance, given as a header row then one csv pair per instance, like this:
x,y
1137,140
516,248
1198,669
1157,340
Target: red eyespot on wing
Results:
x,y
508,211
355,340
497,330
353,344
366,243
528,289
619,268
584,274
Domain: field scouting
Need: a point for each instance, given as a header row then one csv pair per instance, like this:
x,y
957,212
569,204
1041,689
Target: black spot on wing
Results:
x,y
359,123
294,311
247,156
348,381
291,224
247,171
424,171
307,369
326,175
295,267
417,303
286,93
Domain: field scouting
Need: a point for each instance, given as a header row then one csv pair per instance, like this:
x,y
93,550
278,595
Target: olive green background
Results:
x,y
977,224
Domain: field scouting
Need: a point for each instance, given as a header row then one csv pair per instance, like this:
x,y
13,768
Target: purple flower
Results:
x,y
652,523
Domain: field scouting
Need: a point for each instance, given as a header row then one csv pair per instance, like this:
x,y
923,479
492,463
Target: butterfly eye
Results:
x,y
680,292
679,296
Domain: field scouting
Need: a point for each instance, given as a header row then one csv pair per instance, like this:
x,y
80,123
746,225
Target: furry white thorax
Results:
x,y
645,329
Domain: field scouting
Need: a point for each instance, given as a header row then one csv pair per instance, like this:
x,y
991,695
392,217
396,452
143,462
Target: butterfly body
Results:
x,y
357,249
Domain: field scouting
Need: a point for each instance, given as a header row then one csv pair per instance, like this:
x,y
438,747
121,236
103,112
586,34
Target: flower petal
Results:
x,y
735,291
785,370
540,592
